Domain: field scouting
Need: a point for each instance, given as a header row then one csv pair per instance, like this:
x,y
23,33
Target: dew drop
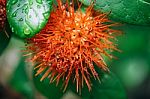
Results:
x,y
49,2
14,2
18,5
14,14
39,1
8,10
38,6
40,26
30,2
26,31
21,19
12,29
46,15
7,4
22,10
26,10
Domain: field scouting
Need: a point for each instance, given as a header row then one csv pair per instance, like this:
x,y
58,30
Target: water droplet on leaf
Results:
x,y
12,29
26,31
46,15
14,14
39,1
14,2
21,19
18,5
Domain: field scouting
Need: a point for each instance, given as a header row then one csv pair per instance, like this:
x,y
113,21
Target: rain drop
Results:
x,y
46,15
27,31
14,1
30,2
12,29
21,19
39,1
38,6
18,5
14,14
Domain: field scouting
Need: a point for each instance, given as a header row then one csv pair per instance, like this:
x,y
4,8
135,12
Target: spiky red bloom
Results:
x,y
70,43
2,13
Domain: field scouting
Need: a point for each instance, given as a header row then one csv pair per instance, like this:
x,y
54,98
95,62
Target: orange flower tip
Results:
x,y
71,42
36,74
41,79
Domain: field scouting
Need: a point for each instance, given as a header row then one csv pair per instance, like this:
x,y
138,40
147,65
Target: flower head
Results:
x,y
70,43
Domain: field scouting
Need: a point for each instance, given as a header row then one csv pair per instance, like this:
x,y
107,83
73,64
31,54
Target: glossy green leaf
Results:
x,y
109,88
28,17
20,81
50,90
5,36
83,93
130,11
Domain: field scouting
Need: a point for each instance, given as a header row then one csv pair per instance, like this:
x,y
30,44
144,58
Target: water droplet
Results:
x,y
18,5
7,4
30,2
14,14
21,19
46,15
14,1
8,10
49,2
12,29
39,1
38,6
26,10
40,26
22,10
27,31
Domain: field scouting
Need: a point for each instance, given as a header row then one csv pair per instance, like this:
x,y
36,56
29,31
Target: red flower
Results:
x,y
70,43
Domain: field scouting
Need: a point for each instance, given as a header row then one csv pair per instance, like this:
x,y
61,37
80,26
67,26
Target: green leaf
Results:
x,y
109,88
130,11
28,17
48,89
134,40
84,93
5,36
20,81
